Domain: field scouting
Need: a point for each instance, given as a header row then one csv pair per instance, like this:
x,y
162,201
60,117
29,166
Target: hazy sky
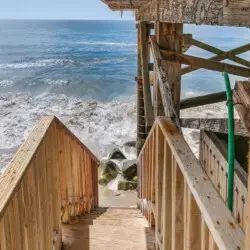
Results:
x,y
59,9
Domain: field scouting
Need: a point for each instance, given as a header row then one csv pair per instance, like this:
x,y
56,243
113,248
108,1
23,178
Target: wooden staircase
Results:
x,y
49,198
109,228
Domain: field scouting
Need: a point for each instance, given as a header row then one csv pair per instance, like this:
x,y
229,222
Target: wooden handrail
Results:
x,y
178,197
51,179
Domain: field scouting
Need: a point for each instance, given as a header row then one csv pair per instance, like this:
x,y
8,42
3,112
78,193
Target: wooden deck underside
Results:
x,y
109,228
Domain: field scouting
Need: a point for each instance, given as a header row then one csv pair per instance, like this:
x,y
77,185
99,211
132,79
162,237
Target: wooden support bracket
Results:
x,y
203,100
214,125
205,63
221,55
165,89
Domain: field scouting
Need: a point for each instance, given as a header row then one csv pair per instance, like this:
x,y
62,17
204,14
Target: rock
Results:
x,y
109,172
129,150
116,154
127,185
119,172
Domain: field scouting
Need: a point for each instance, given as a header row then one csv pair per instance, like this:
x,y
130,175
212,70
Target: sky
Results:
x,y
59,9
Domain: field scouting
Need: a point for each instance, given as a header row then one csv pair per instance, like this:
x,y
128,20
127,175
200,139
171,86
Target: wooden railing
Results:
x,y
52,179
178,197
215,165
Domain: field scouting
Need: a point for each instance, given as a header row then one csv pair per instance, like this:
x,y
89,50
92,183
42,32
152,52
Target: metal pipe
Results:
x,y
231,143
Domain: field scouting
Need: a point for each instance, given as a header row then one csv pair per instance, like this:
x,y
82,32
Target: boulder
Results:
x,y
119,171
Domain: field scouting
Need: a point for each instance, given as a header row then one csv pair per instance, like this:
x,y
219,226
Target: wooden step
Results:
x,y
112,228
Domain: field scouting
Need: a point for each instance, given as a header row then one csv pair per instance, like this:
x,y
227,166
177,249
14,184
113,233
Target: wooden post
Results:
x,y
158,106
241,99
169,36
141,133
148,109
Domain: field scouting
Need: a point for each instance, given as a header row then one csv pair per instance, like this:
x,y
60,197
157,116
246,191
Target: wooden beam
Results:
x,y
170,37
151,66
241,97
220,57
217,51
219,125
203,100
164,86
148,108
187,42
141,130
209,12
205,63
226,233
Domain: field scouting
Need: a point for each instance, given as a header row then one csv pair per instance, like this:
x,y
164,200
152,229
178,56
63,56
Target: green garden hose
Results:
x,y
231,146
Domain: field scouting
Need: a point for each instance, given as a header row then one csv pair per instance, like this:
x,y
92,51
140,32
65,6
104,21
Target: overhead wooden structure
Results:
x,y
125,4
209,12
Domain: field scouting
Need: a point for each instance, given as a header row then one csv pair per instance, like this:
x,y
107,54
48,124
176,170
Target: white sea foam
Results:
x,y
6,83
109,44
100,125
56,82
36,64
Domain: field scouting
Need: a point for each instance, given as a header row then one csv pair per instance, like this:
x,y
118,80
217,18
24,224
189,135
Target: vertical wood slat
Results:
x,y
158,181
204,236
148,108
44,172
177,207
182,222
167,198
218,167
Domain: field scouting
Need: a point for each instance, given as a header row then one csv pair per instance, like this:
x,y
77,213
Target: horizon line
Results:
x,y
61,19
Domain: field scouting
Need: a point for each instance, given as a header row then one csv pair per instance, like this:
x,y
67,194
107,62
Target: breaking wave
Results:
x,y
36,64
6,83
109,44
100,125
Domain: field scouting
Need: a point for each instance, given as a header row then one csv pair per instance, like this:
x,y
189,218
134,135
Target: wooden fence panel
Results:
x,y
216,166
44,186
189,213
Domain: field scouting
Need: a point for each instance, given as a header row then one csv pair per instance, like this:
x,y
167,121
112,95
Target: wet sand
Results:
x,y
109,198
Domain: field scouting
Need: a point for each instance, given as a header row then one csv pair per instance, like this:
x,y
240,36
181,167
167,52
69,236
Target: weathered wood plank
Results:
x,y
170,37
220,57
158,181
165,89
207,12
241,97
30,188
205,63
219,125
222,226
217,51
214,162
158,105
148,108
141,124
203,100
177,207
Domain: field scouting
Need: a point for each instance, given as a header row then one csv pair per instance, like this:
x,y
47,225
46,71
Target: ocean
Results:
x,y
83,72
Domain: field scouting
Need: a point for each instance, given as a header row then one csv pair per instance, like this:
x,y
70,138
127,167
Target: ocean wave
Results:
x,y
6,83
100,125
96,61
109,44
56,82
36,64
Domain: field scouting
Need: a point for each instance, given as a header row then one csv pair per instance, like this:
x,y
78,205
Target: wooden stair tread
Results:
x,y
109,229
